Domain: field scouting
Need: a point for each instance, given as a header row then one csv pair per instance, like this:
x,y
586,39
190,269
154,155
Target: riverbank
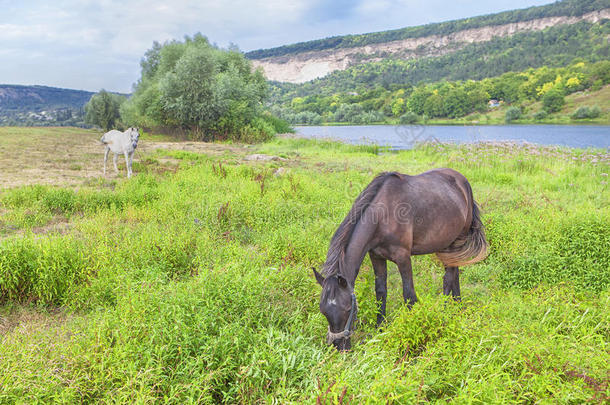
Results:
x,y
191,281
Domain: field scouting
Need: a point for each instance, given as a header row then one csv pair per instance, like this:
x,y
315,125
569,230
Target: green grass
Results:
x,y
195,286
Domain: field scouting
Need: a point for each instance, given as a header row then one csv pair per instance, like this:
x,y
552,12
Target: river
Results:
x,y
405,136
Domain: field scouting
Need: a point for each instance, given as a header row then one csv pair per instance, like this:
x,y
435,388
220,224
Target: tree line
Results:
x,y
450,99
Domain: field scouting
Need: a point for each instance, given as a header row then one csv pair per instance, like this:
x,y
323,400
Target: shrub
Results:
x,y
540,115
307,118
409,118
259,130
279,125
512,114
586,112
553,100
597,85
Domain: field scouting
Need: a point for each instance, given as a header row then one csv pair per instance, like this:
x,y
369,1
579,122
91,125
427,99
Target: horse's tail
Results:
x,y
470,248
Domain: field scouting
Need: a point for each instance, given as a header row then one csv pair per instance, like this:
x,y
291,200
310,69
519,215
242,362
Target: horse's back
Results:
x,y
431,208
116,140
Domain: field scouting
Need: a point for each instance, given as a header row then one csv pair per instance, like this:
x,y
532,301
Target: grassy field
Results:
x,y
191,282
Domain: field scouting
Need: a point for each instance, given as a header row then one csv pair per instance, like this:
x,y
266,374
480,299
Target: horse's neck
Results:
x,y
357,247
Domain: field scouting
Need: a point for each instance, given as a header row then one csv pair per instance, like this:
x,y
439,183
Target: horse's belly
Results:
x,y
434,233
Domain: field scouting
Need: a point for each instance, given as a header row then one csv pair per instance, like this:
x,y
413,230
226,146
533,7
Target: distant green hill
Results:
x,y
570,8
38,98
41,105
553,47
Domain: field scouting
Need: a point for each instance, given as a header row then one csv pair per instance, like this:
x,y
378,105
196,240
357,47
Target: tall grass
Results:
x,y
195,286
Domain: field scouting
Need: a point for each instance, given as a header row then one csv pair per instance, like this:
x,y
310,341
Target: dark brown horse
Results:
x,y
395,217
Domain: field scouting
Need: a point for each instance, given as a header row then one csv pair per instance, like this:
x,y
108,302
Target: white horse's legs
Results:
x,y
127,164
131,161
114,160
106,158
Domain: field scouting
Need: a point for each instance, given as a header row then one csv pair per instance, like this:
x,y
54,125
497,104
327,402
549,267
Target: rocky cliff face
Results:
x,y
299,68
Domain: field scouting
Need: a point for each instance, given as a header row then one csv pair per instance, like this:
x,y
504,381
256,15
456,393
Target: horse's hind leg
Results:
x,y
451,282
380,266
406,273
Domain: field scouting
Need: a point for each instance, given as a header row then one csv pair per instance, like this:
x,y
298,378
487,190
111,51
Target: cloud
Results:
x,y
93,44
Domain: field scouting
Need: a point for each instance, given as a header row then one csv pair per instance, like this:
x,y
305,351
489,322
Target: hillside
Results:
x,y
299,63
40,105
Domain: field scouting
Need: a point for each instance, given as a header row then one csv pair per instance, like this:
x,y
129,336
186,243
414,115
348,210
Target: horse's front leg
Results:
x,y
106,158
451,282
380,266
406,273
127,164
131,160
114,161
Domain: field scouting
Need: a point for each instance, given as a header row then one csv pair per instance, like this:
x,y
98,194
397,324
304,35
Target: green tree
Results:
x,y
103,109
553,100
512,114
196,86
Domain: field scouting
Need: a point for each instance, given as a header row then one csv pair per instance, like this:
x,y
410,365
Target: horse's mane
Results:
x,y
336,251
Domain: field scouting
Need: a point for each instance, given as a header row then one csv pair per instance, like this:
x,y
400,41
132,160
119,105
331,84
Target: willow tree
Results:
x,y
196,86
102,109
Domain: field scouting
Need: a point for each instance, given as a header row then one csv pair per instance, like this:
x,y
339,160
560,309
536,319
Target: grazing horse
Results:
x,y
395,217
121,142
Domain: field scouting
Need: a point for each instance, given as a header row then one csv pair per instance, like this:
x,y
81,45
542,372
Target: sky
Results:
x,y
95,44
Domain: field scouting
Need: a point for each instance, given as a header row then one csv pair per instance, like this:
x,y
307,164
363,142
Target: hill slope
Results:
x,y
41,105
305,61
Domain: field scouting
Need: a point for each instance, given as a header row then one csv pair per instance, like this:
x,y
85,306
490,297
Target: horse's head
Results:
x,y
134,134
338,304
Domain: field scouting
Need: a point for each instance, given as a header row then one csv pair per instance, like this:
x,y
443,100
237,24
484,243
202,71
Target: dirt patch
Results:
x,y
28,320
199,147
74,156
59,224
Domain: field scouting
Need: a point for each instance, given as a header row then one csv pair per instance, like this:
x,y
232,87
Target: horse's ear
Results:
x,y
342,281
319,277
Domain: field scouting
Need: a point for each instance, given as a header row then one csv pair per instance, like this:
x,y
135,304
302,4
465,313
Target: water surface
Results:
x,y
406,136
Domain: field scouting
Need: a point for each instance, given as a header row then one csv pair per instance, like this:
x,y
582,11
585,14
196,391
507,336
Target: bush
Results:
x,y
306,118
586,112
259,130
553,100
512,114
409,118
279,125
103,110
540,115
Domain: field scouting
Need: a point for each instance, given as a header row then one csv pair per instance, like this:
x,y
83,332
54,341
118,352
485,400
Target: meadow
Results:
x,y
191,282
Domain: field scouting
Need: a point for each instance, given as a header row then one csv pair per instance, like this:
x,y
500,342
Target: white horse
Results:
x,y
121,142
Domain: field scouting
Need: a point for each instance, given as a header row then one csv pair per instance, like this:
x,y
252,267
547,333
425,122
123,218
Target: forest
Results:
x,y
527,67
